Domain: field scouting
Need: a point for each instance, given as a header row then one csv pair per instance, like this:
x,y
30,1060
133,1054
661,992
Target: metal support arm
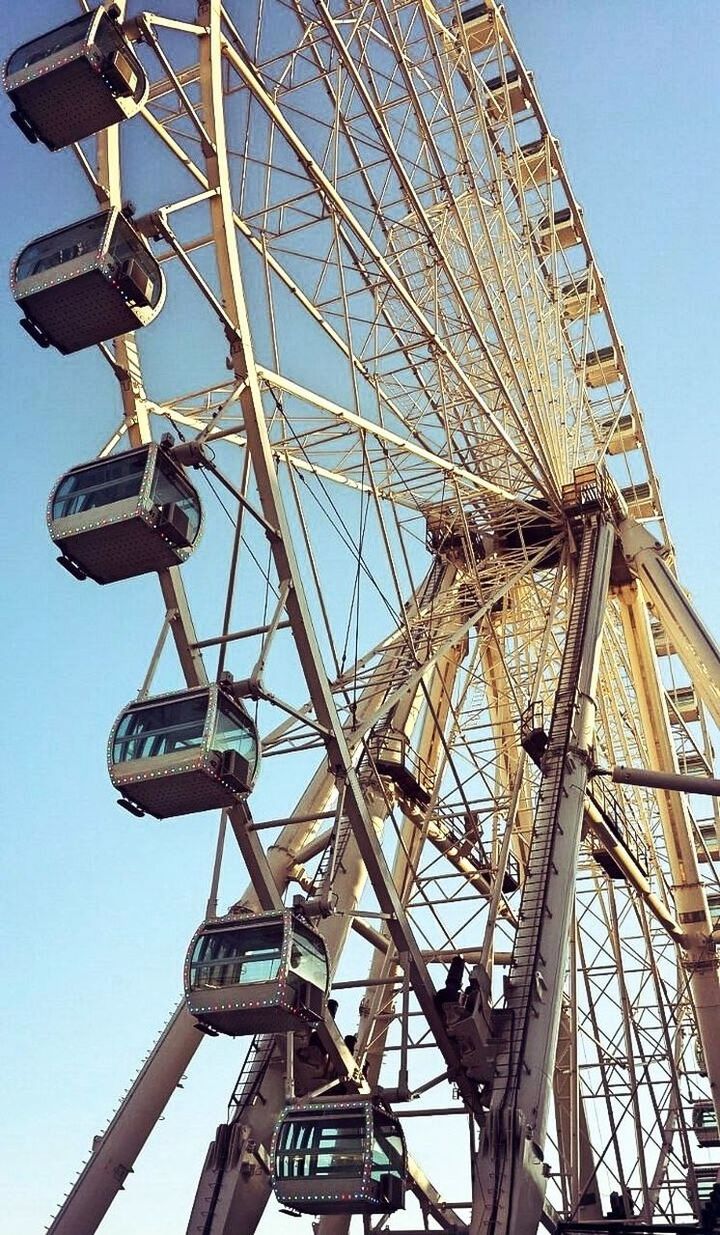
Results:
x,y
650,778
701,961
695,645
510,1173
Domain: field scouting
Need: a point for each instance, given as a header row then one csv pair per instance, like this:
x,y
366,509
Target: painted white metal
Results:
x,y
114,1153
238,1183
536,451
692,640
649,778
700,961
510,1179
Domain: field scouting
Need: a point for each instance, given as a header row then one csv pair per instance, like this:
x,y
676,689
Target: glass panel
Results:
x,y
60,247
326,1146
160,729
235,731
707,1177
50,43
169,486
236,956
307,958
109,480
126,244
388,1156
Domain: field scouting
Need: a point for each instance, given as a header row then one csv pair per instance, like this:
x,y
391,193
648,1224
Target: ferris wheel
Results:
x,y
432,665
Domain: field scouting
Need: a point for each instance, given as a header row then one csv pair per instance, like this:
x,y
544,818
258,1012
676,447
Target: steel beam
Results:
x,y
678,782
335,203
114,1153
701,959
286,564
695,645
510,1174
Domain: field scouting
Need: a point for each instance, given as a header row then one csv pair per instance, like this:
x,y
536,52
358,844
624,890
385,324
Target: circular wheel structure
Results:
x,y
440,583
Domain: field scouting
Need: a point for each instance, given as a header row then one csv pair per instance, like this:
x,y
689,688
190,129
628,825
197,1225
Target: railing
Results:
x,y
388,749
619,820
458,829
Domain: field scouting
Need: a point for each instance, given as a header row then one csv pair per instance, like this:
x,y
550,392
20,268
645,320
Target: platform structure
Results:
x,y
451,603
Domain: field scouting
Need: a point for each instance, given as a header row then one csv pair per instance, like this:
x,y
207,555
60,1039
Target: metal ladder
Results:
x,y
332,856
252,1075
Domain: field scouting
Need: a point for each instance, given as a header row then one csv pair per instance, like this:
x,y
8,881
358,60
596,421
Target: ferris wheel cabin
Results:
x,y
189,751
125,515
479,23
707,1181
87,283
705,1125
261,974
75,80
342,1157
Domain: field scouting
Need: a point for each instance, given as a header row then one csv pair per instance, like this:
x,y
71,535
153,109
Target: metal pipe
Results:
x,y
292,820
651,778
365,982
238,634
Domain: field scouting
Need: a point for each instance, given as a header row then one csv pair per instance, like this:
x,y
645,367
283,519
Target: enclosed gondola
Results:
x,y
189,751
75,80
88,282
705,1178
705,1124
256,974
124,515
341,1157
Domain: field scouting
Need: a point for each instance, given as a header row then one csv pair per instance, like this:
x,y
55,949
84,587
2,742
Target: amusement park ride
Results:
x,y
451,608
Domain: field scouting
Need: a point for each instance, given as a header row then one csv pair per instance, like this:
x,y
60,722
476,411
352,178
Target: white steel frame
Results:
x,y
357,171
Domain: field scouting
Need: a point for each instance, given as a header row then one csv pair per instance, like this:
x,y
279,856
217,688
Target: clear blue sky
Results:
x,y
99,907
